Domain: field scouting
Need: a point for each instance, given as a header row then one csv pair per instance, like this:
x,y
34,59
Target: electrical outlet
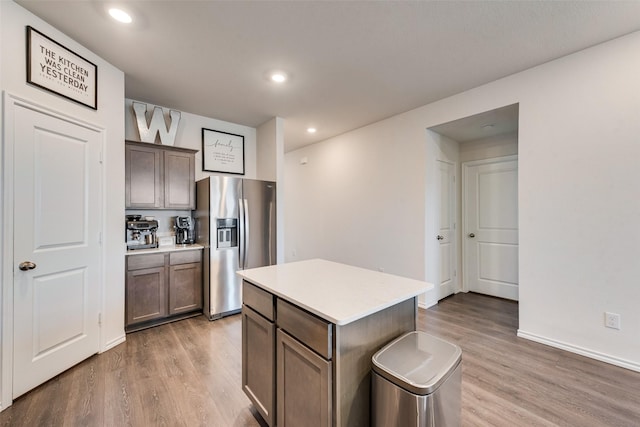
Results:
x,y
612,320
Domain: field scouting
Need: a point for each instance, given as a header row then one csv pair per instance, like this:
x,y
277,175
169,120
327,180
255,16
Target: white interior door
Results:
x,y
447,230
56,246
491,227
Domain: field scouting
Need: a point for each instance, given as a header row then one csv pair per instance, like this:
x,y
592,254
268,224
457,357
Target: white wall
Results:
x,y
190,135
108,116
359,199
4,301
578,151
267,150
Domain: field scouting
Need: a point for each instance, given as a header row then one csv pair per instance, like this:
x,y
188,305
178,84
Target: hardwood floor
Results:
x,y
510,381
188,374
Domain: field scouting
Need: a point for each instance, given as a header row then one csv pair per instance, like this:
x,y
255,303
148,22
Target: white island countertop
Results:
x,y
335,292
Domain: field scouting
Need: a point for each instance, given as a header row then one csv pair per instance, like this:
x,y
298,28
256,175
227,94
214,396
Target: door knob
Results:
x,y
26,265
472,235
440,237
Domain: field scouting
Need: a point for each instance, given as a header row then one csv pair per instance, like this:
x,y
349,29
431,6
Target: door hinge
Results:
x,y
99,318
455,273
100,238
101,160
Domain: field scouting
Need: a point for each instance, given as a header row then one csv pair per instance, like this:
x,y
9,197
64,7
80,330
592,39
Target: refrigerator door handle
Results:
x,y
242,230
245,261
272,237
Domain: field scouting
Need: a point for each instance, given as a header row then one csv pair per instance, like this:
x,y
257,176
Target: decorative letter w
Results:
x,y
157,126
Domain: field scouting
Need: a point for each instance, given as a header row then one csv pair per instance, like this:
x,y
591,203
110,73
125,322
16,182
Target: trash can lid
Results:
x,y
417,362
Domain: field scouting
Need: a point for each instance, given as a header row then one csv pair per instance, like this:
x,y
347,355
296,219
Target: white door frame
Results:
x,y
10,102
465,168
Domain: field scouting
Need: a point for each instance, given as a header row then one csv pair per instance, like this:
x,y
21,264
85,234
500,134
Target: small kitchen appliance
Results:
x,y
141,234
184,230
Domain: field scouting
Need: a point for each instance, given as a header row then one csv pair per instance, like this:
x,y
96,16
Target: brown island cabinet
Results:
x,y
309,330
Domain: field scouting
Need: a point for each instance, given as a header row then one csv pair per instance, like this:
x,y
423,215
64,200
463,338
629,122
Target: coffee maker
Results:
x,y
141,234
184,230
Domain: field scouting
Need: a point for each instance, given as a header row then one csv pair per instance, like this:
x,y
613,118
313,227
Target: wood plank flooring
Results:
x,y
188,373
510,381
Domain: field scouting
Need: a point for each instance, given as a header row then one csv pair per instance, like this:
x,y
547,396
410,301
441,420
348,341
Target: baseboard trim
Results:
x,y
427,304
114,342
627,364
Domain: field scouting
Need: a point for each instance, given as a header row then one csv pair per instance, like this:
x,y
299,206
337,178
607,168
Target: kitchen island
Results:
x,y
310,329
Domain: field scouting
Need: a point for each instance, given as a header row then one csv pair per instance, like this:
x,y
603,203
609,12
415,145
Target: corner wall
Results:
x,y
270,153
360,198
108,116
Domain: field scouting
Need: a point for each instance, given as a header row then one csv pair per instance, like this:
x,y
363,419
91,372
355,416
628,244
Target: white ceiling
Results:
x,y
351,62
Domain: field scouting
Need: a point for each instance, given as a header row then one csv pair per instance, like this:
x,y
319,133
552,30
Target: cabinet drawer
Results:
x,y
309,329
185,257
137,262
258,299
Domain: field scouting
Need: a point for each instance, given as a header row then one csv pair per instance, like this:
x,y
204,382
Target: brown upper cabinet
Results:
x,y
159,177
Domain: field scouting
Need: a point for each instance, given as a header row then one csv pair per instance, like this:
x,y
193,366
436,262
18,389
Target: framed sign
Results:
x,y
57,69
222,152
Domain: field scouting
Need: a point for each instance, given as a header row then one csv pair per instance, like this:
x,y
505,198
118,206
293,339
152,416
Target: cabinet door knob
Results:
x,y
440,237
472,235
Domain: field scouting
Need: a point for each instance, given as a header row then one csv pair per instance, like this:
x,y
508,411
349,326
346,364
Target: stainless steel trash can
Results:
x,y
416,382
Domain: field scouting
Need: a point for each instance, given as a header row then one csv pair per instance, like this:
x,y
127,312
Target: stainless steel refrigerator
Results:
x,y
235,220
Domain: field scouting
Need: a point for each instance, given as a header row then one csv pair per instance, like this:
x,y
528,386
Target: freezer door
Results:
x,y
222,286
260,223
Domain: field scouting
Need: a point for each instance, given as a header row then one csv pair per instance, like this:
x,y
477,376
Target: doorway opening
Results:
x,y
472,206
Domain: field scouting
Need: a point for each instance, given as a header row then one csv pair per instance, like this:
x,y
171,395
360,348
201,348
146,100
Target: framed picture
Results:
x,y
57,69
222,152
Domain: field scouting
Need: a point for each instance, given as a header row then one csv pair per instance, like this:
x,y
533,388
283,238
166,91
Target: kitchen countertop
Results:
x,y
167,248
336,292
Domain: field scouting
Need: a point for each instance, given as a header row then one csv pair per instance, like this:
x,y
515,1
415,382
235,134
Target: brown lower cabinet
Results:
x,y
185,288
146,295
162,287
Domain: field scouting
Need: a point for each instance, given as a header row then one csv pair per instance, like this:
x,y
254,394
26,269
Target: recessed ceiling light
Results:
x,y
120,15
279,77
311,130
